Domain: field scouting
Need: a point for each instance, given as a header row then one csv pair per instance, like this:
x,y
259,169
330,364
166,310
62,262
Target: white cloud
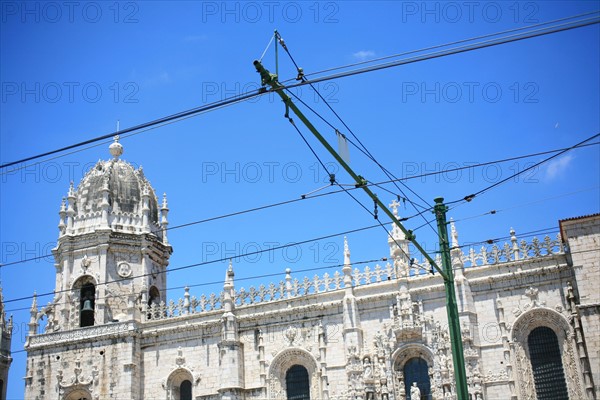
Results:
x,y
558,166
364,54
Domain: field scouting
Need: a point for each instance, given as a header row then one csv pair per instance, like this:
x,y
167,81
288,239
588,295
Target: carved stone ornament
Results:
x,y
85,263
290,334
124,269
78,381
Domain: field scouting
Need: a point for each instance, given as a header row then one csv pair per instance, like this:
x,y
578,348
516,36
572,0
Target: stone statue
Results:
x,y
415,393
368,370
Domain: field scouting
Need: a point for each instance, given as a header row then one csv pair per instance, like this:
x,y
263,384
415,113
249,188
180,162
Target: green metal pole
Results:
x,y
271,79
440,211
458,358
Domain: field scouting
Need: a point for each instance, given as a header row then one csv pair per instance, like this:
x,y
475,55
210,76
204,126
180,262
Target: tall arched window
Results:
x,y
153,299
185,390
297,383
153,296
87,299
416,370
546,363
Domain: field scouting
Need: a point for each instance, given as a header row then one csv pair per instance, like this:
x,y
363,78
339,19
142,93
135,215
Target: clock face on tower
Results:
x,y
124,269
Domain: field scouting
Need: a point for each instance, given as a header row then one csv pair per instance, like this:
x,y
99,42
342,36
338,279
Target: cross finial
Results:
x,y
394,206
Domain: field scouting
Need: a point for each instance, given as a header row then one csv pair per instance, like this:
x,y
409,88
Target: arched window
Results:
x,y
87,301
153,296
297,383
153,299
416,370
185,390
546,363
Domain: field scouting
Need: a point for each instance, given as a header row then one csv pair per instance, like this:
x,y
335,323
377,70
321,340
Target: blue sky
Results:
x,y
68,74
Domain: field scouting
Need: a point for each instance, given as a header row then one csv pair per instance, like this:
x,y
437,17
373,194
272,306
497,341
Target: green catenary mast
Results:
x,y
270,79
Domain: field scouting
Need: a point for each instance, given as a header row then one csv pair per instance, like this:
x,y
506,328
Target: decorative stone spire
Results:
x,y
346,253
397,234
33,316
62,213
116,149
347,269
399,250
453,233
228,289
164,212
456,253
70,207
105,205
515,245
145,209
2,315
351,322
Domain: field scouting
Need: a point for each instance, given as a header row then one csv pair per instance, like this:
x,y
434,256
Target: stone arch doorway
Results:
x,y
412,363
179,385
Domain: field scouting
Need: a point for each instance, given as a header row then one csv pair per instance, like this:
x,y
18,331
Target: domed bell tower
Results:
x,y
112,250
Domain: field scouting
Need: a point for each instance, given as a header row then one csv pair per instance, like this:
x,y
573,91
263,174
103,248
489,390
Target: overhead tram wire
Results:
x,y
373,214
494,212
204,263
127,135
365,151
249,95
446,44
237,279
392,178
457,50
362,147
489,241
470,197
169,118
306,197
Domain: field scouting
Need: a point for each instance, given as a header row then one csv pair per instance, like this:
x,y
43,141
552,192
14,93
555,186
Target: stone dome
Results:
x,y
114,195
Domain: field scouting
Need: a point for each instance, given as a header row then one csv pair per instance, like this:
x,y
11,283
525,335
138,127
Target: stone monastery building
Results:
x,y
529,313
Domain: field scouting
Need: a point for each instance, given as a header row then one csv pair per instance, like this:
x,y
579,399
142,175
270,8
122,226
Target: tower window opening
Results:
x,y
87,304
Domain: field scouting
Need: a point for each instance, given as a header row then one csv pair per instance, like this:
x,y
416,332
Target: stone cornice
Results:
x,y
81,335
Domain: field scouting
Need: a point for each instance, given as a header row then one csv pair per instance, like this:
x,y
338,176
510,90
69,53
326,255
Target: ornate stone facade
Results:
x,y
355,334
